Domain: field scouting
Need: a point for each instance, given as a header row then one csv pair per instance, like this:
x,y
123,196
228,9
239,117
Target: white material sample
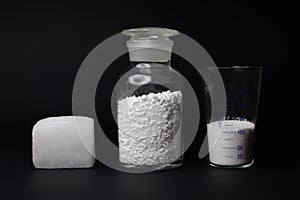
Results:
x,y
150,128
230,142
56,142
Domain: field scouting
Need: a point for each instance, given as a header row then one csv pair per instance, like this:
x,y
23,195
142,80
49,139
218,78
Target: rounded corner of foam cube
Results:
x,y
63,142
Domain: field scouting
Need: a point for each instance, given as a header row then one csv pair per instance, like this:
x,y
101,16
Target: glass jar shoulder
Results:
x,y
144,78
152,72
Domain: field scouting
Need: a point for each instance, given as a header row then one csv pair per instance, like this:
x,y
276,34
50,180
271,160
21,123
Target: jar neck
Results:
x,y
146,64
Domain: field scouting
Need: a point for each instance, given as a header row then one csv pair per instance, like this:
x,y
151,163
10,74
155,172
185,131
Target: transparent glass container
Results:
x,y
231,137
149,103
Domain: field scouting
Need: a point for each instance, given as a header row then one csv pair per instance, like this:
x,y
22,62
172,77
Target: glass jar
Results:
x,y
149,103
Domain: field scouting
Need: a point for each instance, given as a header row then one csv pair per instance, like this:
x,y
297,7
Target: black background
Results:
x,y
42,45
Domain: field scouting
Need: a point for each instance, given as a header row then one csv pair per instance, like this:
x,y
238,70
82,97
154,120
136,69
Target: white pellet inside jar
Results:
x,y
149,128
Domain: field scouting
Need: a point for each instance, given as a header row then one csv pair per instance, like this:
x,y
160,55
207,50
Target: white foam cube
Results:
x,y
63,142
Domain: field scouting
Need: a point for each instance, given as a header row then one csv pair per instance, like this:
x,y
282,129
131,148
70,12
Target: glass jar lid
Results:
x,y
149,33
150,43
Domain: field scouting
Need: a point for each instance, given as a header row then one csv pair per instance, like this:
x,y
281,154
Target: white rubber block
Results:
x,y
63,142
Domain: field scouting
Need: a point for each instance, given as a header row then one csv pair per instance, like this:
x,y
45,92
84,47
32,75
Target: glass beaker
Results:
x,y
230,137
149,103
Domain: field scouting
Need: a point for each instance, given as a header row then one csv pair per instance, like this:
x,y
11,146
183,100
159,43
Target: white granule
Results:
x,y
150,128
230,142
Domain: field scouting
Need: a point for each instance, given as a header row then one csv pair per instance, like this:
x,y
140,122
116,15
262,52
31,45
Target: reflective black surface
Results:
x,y
271,177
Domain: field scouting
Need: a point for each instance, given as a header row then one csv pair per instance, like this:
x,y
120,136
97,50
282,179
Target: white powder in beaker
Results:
x,y
150,128
230,142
